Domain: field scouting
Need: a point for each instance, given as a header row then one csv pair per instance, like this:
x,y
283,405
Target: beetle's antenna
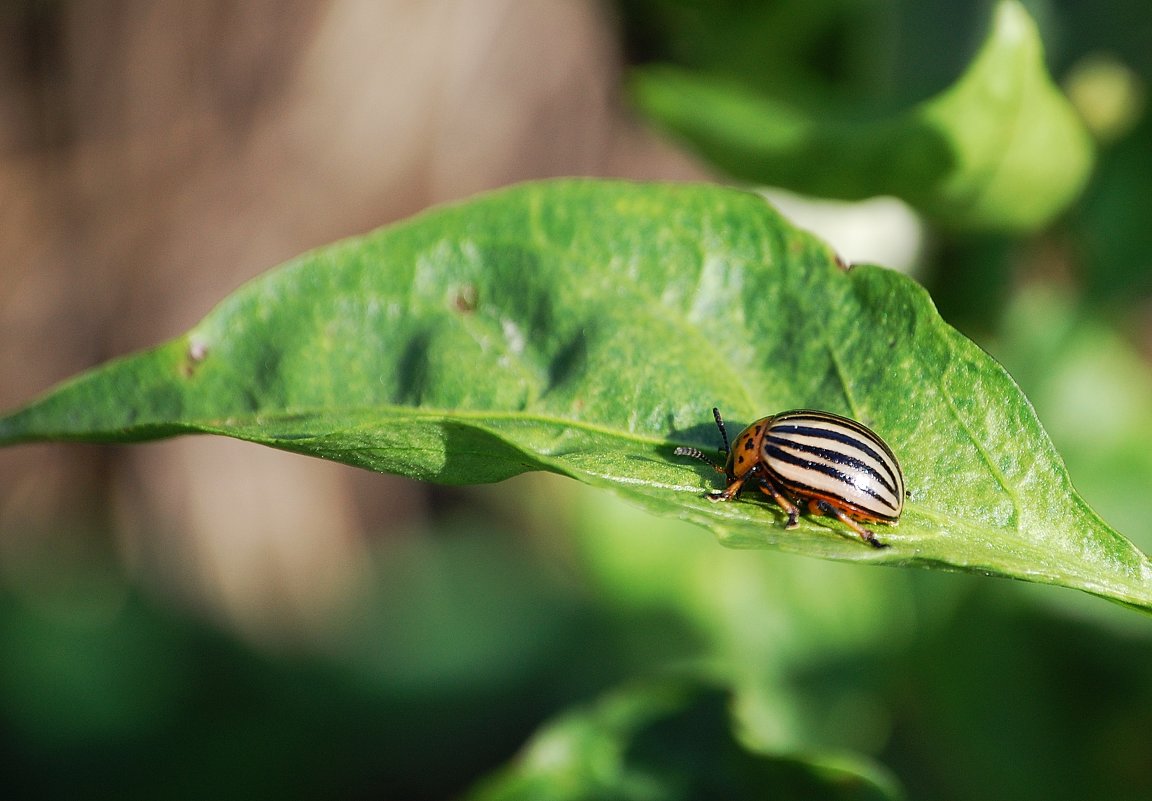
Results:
x,y
696,453
723,431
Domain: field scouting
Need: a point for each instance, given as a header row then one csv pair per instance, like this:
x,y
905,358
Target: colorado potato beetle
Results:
x,y
831,464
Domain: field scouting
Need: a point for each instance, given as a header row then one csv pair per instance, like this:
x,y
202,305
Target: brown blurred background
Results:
x,y
155,155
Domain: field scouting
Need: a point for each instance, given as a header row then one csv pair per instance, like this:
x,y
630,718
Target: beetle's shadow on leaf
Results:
x,y
702,436
705,436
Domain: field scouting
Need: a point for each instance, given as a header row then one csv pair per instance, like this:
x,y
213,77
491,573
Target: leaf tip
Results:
x,y
1011,21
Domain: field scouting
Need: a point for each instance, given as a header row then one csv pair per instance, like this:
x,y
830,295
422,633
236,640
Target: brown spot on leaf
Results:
x,y
196,353
465,298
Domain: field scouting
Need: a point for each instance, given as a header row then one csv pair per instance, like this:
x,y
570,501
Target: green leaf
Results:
x,y
1001,148
587,328
669,740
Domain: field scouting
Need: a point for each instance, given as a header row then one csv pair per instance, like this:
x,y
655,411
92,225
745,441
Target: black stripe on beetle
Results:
x,y
847,477
831,465
858,440
843,476
854,464
845,458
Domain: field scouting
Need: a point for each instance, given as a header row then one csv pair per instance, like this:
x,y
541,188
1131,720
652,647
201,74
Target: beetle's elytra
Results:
x,y
831,464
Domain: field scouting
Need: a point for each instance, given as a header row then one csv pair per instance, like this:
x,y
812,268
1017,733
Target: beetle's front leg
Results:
x,y
729,493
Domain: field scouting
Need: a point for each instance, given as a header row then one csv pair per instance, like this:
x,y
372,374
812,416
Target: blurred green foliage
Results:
x,y
628,647
478,635
999,149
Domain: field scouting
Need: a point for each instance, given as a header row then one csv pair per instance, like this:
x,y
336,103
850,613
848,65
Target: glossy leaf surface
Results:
x,y
587,328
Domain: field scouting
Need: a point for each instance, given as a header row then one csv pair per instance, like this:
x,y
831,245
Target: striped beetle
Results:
x,y
836,466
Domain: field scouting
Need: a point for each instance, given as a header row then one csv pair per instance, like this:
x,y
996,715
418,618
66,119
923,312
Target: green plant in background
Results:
x,y
585,328
1001,148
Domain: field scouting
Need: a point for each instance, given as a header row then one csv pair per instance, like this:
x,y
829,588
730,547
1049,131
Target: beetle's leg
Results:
x,y
769,489
817,506
729,493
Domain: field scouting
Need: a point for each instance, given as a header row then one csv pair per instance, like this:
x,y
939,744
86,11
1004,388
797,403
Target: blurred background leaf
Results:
x,y
999,149
665,740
